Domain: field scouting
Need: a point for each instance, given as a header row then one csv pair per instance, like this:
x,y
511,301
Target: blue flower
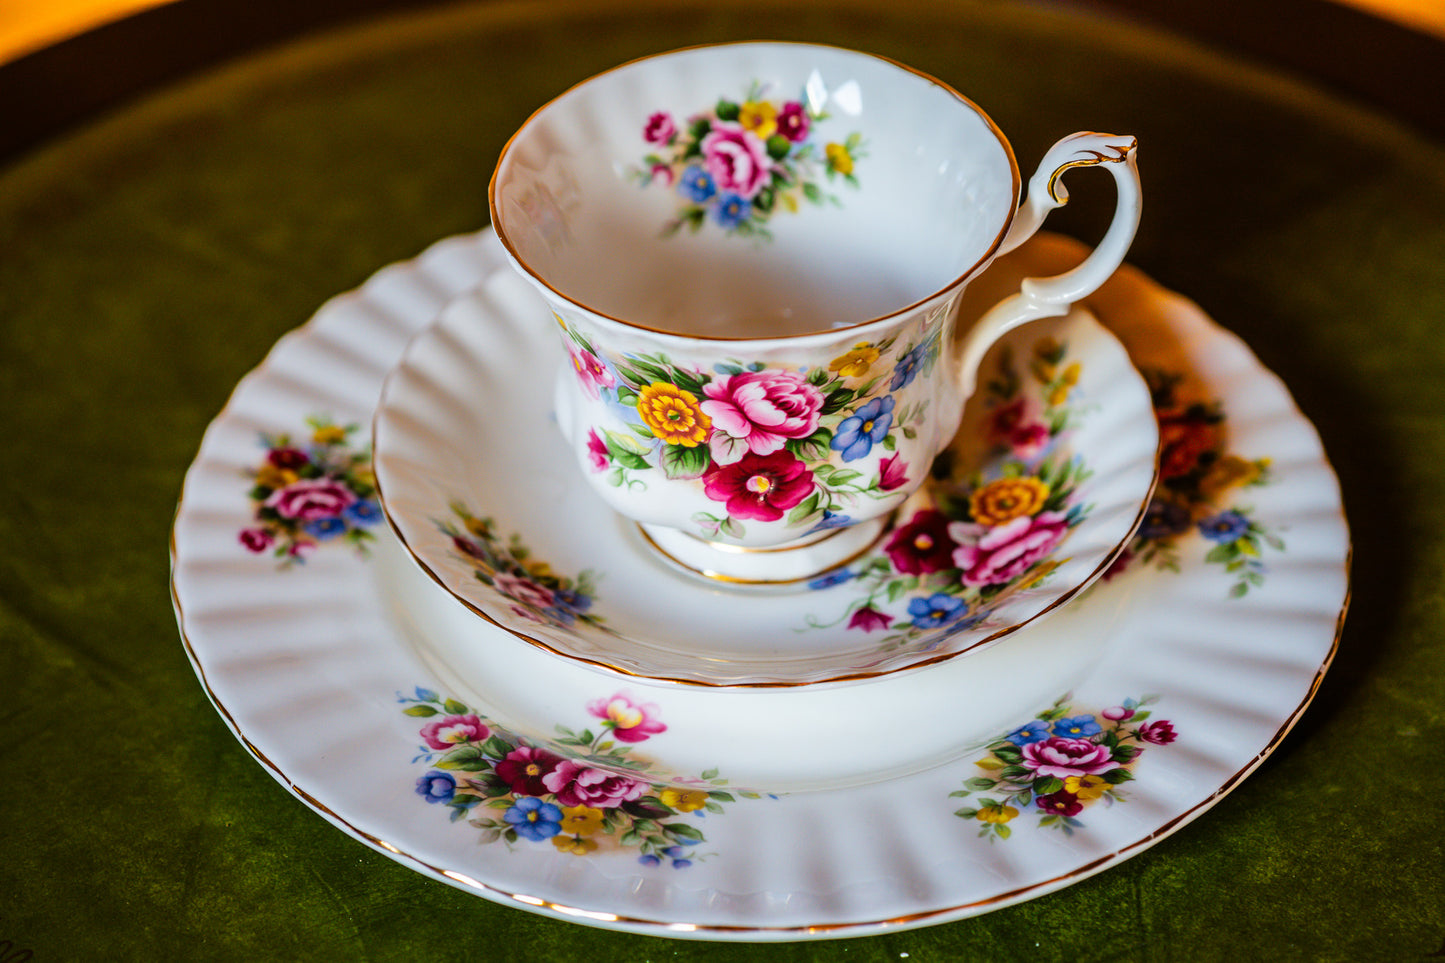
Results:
x,y
863,429
908,366
1078,727
681,863
1224,528
1163,519
1036,731
649,860
831,520
697,185
323,528
363,512
937,610
572,600
732,210
832,578
436,787
534,819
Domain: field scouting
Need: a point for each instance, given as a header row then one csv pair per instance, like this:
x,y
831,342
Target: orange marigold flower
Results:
x,y
1008,498
674,415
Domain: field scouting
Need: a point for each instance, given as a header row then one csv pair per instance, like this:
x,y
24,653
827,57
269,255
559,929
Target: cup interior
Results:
x,y
754,190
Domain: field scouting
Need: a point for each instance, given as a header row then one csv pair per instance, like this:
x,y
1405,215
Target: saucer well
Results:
x,y
281,611
1044,484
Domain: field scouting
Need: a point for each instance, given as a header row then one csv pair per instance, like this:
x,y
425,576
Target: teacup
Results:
x,y
754,254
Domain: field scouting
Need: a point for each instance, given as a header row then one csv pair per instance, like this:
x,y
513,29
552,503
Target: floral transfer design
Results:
x,y
766,443
308,492
978,540
600,797
741,162
537,593
1060,764
1196,475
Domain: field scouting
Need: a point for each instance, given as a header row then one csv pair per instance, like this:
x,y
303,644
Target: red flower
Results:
x,y
869,619
1159,732
524,768
310,499
1185,437
761,487
288,458
793,121
892,473
257,539
597,455
922,545
1060,803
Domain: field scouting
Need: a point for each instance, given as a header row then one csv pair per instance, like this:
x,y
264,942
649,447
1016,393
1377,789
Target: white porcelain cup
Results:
x,y
753,254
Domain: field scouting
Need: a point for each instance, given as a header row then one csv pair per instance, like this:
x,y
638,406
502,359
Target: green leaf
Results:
x,y
778,146
454,707
683,831
966,813
1116,776
805,508
420,711
1220,553
679,461
979,783
721,796
1003,831
1047,784
465,758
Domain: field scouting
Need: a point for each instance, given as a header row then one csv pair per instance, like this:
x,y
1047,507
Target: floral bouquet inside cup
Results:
x,y
741,162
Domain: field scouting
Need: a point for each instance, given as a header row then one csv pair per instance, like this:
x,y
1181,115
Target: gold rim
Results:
x,y
961,279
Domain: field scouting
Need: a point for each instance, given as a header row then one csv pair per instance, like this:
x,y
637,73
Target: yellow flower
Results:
x,y
329,435
537,568
562,324
581,820
760,117
1006,499
575,845
673,415
839,159
1071,374
1059,395
855,363
271,476
1085,787
480,527
996,814
684,800
1228,472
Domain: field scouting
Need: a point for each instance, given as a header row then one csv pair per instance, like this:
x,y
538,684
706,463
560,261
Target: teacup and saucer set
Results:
x,y
763,531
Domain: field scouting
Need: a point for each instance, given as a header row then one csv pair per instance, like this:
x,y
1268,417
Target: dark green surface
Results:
x,y
149,262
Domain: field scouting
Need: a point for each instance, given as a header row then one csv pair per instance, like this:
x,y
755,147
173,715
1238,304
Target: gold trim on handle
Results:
x,y
1121,153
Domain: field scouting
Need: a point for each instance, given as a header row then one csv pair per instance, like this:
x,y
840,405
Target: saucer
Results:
x,y
281,612
1045,482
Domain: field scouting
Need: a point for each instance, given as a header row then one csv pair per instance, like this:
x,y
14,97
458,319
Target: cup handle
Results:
x,y
1052,297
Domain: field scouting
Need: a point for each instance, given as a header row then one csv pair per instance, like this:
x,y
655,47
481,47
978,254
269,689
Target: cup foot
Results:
x,y
786,564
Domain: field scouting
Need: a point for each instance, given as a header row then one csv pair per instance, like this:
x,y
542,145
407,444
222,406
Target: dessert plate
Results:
x,y
1236,586
1047,479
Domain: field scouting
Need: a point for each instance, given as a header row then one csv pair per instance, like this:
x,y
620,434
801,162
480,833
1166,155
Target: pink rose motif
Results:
x,y
892,473
597,454
992,556
1013,425
257,539
663,174
760,487
592,374
311,498
631,722
1061,756
759,411
522,590
575,785
1117,713
737,159
793,121
660,128
1159,732
453,731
